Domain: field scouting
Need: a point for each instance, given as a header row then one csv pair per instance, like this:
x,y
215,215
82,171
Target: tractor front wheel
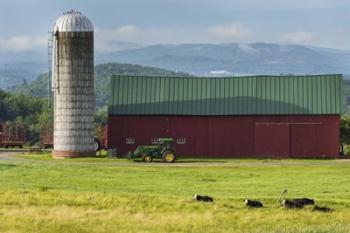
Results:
x,y
147,158
169,156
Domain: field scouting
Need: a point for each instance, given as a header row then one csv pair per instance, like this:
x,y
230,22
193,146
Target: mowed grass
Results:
x,y
39,194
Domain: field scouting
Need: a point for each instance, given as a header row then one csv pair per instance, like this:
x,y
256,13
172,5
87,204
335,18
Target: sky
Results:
x,y
24,24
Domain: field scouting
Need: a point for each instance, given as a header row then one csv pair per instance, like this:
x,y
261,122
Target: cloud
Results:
x,y
22,43
247,48
128,30
108,40
130,36
298,37
231,32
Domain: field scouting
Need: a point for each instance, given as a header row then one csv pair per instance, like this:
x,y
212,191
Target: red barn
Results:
x,y
1,134
257,116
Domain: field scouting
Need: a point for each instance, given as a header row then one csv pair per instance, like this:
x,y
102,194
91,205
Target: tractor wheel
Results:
x,y
169,156
147,158
97,145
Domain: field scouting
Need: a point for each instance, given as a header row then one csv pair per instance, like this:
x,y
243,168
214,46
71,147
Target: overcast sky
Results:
x,y
24,23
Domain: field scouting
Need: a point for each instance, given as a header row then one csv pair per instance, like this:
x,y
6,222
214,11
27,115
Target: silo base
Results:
x,y
73,154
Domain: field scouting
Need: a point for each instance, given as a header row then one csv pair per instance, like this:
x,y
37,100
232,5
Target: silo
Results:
x,y
73,86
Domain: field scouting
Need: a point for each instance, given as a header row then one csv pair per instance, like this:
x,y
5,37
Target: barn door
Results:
x,y
272,139
304,140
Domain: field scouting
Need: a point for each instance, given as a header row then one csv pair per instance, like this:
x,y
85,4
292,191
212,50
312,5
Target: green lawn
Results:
x,y
39,194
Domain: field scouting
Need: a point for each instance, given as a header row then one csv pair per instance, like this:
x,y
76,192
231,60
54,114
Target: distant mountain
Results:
x,y
35,56
12,74
24,66
256,58
196,59
39,87
114,46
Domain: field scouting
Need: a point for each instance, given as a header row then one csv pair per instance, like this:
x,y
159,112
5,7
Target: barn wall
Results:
x,y
0,133
274,136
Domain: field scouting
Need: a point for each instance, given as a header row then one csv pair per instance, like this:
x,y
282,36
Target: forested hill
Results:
x,y
39,87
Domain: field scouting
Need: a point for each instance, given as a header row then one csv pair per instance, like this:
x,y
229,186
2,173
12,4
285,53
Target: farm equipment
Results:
x,y
12,134
46,136
161,149
100,139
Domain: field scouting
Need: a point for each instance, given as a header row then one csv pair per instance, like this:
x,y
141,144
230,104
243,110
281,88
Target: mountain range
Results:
x,y
236,59
196,59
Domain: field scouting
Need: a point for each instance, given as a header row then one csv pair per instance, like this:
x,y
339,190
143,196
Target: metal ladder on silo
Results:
x,y
49,65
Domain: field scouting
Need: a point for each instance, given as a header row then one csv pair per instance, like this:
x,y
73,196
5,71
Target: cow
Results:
x,y
202,198
322,209
297,203
253,204
290,204
304,201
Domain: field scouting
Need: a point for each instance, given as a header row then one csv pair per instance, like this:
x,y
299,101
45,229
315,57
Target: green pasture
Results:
x,y
40,194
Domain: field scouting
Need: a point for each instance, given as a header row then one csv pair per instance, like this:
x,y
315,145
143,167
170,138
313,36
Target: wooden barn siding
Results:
x,y
1,134
273,136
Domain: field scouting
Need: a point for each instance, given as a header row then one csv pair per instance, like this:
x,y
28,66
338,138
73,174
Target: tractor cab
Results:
x,y
163,142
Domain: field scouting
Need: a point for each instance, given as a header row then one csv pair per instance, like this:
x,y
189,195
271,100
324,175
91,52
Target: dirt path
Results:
x,y
8,155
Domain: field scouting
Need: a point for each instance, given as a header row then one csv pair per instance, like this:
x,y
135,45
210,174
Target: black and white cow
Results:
x,y
202,198
253,204
290,204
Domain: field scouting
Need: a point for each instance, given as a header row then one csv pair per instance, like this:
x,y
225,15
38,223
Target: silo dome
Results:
x,y
73,86
73,21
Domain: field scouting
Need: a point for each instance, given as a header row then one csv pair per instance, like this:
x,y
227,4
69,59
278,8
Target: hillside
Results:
x,y
255,58
39,87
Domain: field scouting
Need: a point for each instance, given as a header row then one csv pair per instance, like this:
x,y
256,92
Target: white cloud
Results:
x,y
231,32
298,37
128,31
108,40
127,36
22,43
247,48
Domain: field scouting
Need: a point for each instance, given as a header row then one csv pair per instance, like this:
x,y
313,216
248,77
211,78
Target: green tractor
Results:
x,y
161,149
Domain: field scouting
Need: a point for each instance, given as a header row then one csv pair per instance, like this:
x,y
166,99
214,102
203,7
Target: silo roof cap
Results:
x,y
73,21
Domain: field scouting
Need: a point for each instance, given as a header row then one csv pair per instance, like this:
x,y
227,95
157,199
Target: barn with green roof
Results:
x,y
254,116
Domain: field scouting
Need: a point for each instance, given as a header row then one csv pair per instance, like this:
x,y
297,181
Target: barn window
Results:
x,y
181,140
154,140
130,140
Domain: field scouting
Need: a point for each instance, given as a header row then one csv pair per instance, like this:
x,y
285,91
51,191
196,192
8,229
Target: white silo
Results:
x,y
73,86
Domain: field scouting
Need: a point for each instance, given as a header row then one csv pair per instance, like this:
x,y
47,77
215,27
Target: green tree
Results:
x,y
345,129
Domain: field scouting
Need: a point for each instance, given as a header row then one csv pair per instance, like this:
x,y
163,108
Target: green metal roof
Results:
x,y
133,95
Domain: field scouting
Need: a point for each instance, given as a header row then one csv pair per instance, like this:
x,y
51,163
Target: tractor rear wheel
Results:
x,y
147,158
97,145
169,156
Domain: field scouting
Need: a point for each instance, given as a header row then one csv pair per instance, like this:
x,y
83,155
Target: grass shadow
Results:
x,y
7,166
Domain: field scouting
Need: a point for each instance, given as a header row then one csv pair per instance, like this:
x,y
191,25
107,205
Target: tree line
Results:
x,y
35,113
30,111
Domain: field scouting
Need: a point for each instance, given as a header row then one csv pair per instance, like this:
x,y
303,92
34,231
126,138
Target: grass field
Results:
x,y
38,194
